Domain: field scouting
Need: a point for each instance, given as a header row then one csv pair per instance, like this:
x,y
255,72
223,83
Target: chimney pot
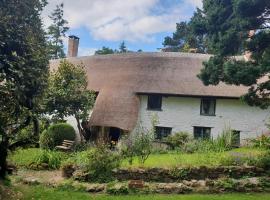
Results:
x,y
73,45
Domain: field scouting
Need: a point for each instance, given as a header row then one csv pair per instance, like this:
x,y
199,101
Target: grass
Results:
x,y
39,192
196,159
24,157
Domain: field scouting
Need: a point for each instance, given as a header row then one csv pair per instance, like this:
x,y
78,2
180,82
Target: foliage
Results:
x,y
26,134
128,149
23,68
101,162
56,134
264,161
115,188
140,143
51,158
184,40
68,95
261,142
176,159
233,28
104,51
56,32
26,137
177,140
47,193
33,158
123,48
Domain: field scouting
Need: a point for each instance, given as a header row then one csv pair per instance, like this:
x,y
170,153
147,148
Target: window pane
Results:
x,y
235,138
154,102
162,132
208,106
206,133
197,132
202,132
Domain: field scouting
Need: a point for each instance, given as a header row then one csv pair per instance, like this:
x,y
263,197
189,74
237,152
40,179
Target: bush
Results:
x,y
264,161
52,159
177,140
221,144
55,135
261,142
101,161
143,144
127,149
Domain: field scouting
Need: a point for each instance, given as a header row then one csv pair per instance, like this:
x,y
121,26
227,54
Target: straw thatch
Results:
x,y
120,78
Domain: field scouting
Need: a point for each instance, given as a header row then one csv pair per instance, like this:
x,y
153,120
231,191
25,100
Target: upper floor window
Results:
x,y
162,132
202,132
208,107
154,102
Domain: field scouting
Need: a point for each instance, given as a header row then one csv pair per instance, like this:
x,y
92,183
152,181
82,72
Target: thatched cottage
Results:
x,y
132,87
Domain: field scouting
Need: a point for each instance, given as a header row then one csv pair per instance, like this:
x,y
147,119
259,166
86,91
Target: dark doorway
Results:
x,y
114,134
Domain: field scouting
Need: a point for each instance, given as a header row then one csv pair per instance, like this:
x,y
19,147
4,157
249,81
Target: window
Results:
x,y
162,132
235,138
202,132
154,102
208,107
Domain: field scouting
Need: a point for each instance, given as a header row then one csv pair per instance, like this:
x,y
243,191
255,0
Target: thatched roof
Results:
x,y
119,78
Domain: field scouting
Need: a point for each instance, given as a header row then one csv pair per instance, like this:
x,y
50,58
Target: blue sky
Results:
x,y
142,24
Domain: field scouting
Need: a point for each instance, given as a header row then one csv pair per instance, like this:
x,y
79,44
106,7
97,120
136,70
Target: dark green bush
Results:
x,y
101,162
55,135
177,140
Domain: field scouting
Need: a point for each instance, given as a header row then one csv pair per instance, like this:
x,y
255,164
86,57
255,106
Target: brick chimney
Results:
x,y
73,45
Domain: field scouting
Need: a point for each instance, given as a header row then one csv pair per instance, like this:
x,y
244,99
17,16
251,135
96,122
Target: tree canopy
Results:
x,y
23,67
184,40
104,51
237,27
56,32
68,95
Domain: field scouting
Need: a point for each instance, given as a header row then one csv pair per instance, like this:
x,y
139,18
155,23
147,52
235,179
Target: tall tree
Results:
x,y
236,27
23,68
68,95
104,51
56,33
184,40
123,48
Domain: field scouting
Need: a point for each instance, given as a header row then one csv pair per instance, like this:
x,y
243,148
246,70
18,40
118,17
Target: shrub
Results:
x,y
221,144
261,142
55,135
264,161
51,158
128,149
177,140
101,161
143,144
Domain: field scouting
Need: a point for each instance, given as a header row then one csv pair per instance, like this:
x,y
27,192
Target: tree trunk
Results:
x,y
3,156
36,126
79,128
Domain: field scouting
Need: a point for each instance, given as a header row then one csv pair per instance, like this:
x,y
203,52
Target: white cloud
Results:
x,y
115,20
196,3
84,51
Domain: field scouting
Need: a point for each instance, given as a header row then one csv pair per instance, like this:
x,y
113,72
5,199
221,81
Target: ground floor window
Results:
x,y
162,132
235,138
202,132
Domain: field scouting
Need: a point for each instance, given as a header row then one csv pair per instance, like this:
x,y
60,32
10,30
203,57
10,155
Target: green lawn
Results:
x,y
195,159
173,159
38,192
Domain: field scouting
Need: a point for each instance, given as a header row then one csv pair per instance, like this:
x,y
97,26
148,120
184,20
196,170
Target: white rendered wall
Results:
x,y
183,113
